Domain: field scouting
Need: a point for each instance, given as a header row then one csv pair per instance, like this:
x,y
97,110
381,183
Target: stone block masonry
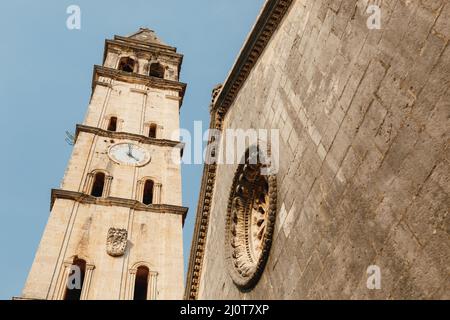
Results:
x,y
364,156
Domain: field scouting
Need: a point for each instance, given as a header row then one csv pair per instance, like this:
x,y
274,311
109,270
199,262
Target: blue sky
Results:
x,y
45,84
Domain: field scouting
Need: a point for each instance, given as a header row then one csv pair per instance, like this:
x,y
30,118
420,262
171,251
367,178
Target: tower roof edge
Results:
x,y
146,35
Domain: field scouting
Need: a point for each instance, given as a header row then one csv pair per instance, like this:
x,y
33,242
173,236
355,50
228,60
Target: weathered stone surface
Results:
x,y
76,228
364,168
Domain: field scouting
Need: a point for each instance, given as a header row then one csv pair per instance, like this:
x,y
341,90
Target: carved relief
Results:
x,y
116,242
250,222
215,92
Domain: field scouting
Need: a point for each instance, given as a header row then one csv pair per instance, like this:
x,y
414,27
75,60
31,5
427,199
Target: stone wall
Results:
x,y
364,167
153,239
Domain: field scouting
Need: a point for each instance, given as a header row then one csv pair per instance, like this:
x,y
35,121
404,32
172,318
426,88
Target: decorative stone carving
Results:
x,y
215,92
250,222
116,242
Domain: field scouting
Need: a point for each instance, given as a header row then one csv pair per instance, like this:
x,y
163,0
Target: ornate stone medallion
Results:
x,y
116,242
250,222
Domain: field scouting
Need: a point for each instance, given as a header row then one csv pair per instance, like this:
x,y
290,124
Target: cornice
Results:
x,y
267,22
114,201
131,77
141,43
140,46
128,136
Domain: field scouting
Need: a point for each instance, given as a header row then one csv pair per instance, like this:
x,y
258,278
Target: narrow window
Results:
x,y
98,185
148,192
126,64
112,125
152,132
157,70
75,286
141,283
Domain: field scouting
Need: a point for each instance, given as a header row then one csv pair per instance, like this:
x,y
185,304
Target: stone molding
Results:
x,y
65,272
140,45
262,32
267,23
114,201
90,180
152,291
135,78
246,253
157,190
128,136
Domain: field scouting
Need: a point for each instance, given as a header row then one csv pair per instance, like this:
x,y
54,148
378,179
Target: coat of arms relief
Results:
x,y
116,242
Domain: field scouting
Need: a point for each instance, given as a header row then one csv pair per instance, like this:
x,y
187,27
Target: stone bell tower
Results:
x,y
116,221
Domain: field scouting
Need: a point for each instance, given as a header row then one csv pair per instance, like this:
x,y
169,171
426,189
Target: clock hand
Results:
x,y
130,152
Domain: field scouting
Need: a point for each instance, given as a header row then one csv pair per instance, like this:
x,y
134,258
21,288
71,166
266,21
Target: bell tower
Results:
x,y
115,226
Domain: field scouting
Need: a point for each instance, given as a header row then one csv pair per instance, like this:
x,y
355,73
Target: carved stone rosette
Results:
x,y
250,223
116,242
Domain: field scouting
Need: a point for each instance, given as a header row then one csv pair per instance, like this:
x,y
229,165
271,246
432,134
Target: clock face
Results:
x,y
129,154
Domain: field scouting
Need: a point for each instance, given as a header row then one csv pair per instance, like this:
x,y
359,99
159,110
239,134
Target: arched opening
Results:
x,y
98,185
152,131
148,192
74,286
157,70
112,125
126,64
141,283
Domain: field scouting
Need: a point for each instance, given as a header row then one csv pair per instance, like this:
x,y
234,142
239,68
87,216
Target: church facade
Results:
x,y
358,205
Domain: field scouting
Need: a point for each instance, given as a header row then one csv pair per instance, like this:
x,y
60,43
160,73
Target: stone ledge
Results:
x,y
142,45
114,201
23,298
136,78
129,136
265,27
